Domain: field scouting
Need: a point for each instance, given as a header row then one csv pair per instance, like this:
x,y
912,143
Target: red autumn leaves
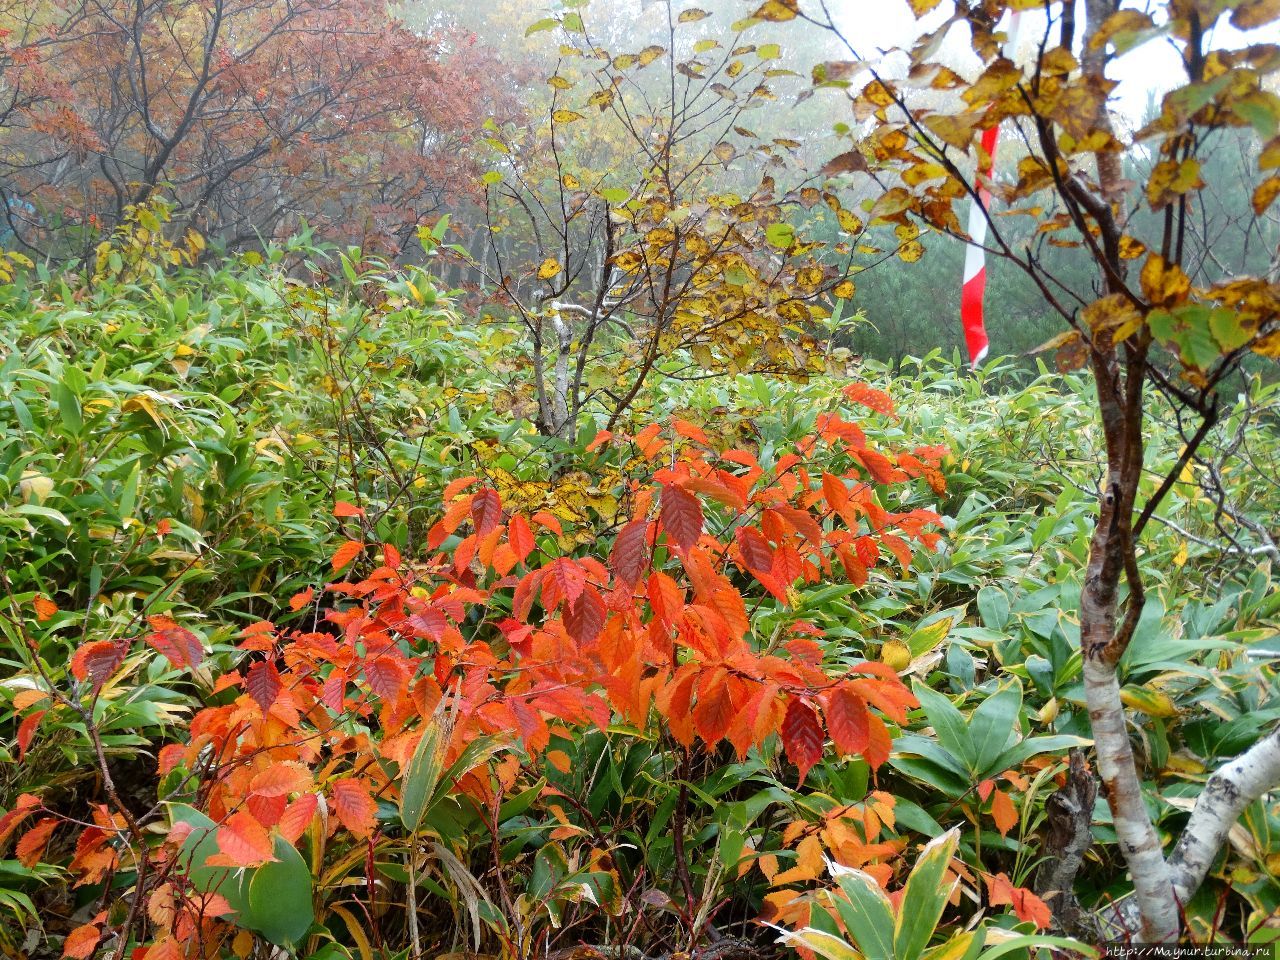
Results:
x,y
527,637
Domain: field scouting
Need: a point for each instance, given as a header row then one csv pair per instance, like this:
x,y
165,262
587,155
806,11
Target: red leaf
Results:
x,y
263,683
344,509
180,646
81,941
354,806
244,842
520,537
568,577
681,516
387,676
847,720
486,511
585,619
98,660
27,730
630,555
346,553
757,553
802,735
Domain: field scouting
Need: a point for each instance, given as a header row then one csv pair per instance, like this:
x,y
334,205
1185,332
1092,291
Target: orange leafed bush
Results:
x,y
520,639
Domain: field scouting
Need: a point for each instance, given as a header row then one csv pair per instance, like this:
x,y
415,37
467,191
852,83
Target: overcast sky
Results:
x,y
1152,69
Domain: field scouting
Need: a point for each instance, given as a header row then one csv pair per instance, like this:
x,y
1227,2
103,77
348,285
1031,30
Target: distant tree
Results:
x,y
645,228
249,114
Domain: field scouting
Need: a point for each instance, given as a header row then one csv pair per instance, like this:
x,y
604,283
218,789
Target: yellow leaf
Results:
x,y
692,14
1267,191
776,11
548,269
650,54
1154,703
565,116
1180,558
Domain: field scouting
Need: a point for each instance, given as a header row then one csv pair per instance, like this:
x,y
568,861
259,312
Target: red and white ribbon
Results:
x,y
974,287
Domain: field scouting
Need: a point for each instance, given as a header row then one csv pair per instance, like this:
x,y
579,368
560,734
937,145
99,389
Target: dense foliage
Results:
x,y
262,529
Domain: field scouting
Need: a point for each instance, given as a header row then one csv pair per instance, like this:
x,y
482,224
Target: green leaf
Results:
x,y
992,725
1034,941
547,23
69,409
421,775
948,723
822,943
278,897
924,897
926,638
1225,326
867,914
781,235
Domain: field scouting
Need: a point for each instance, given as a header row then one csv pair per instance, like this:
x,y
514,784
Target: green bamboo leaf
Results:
x,y
924,897
991,727
867,914
947,722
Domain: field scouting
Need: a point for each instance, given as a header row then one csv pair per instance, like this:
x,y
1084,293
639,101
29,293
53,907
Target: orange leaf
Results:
x,y
1003,812
27,730
300,600
344,509
46,609
297,817
520,537
847,720
166,949
280,779
28,698
81,941
1025,904
354,806
346,553
244,842
32,843
714,711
